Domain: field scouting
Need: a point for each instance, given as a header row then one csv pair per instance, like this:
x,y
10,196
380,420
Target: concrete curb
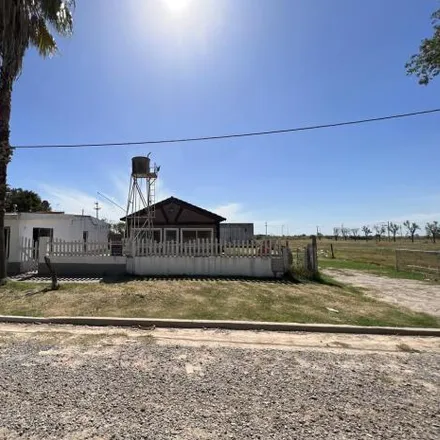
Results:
x,y
227,325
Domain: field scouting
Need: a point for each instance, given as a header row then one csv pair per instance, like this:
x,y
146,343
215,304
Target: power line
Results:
x,y
111,201
231,136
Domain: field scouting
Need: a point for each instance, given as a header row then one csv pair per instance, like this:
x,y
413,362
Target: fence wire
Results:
x,y
418,261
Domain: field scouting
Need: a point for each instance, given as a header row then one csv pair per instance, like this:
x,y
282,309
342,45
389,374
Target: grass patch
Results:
x,y
277,301
373,268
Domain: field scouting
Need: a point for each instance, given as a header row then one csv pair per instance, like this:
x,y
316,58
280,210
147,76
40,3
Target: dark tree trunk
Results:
x,y
412,238
6,82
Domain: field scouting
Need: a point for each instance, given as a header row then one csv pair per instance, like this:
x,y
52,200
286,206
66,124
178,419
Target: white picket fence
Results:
x,y
144,248
28,255
61,248
206,248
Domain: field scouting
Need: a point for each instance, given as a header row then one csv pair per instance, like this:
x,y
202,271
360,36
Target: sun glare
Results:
x,y
177,5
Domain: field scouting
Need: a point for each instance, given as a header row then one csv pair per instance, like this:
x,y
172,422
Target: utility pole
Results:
x,y
97,208
265,224
282,230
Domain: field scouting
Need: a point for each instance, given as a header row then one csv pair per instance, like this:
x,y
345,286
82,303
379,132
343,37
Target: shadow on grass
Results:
x,y
43,290
301,277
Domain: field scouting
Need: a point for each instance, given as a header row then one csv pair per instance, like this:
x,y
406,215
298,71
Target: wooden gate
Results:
x,y
28,255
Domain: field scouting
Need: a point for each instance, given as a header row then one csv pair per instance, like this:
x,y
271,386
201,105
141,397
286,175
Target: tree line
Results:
x,y
432,230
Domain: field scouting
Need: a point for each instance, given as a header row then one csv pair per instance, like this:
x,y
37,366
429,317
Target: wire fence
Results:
x,y
409,260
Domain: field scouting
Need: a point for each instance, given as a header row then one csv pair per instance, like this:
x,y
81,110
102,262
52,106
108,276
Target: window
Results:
x,y
142,234
171,235
196,234
204,235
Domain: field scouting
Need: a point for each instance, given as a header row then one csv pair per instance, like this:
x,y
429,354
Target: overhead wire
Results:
x,y
233,135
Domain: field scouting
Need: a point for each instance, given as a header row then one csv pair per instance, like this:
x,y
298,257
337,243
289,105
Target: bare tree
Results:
x,y
411,228
432,230
380,230
355,233
367,232
345,232
393,228
336,233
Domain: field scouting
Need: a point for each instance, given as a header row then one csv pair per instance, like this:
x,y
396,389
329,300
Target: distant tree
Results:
x,y
426,64
117,228
367,232
355,233
345,232
393,228
22,200
336,233
380,230
411,228
432,230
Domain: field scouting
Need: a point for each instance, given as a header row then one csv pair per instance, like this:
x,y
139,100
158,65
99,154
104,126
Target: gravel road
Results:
x,y
124,387
416,295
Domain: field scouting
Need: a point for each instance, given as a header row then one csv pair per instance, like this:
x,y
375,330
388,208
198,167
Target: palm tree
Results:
x,y
23,24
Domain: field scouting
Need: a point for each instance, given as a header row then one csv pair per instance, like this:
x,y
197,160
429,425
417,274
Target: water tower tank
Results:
x,y
140,166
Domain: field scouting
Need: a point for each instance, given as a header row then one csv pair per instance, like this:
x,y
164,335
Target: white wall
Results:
x,y
65,227
204,266
11,221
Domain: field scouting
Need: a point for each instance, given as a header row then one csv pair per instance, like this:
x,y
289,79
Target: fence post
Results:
x,y
42,248
315,254
331,248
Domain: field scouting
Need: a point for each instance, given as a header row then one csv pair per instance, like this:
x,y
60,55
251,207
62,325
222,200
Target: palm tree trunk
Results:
x,y
6,82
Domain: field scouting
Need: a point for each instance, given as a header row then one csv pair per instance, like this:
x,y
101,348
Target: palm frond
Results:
x,y
58,14
28,22
42,39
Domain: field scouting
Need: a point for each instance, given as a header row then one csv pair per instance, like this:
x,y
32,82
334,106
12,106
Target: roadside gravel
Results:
x,y
141,390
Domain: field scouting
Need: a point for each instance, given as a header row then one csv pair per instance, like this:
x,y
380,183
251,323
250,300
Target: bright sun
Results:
x,y
177,5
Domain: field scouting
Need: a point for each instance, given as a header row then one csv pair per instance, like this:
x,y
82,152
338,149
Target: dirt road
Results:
x,y
416,295
89,383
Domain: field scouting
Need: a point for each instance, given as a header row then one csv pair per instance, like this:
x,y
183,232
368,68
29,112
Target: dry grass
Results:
x,y
210,299
375,256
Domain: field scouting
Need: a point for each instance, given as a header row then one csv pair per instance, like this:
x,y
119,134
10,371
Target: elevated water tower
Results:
x,y
141,198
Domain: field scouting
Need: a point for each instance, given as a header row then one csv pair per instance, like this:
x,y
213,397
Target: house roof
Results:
x,y
184,204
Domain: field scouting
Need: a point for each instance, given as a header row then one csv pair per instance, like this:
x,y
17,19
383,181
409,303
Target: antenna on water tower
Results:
x,y
141,198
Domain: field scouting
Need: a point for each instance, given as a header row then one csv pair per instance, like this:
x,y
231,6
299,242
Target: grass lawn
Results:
x,y
210,299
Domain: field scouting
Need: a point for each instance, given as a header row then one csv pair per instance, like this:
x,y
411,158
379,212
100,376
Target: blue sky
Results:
x,y
139,69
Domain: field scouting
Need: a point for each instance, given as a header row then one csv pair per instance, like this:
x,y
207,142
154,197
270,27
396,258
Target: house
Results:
x,y
236,232
180,221
28,227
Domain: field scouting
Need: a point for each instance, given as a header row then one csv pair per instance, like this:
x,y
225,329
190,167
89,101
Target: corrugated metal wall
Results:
x,y
236,231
